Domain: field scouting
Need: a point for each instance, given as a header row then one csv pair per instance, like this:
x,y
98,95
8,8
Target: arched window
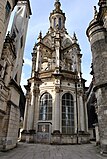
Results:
x,y
67,114
45,111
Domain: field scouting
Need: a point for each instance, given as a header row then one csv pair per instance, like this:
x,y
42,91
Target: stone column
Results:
x,y
57,49
34,54
25,123
36,110
86,117
57,109
81,113
97,133
38,59
57,57
31,114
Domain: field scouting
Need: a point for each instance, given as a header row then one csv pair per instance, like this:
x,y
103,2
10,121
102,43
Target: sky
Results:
x,y
78,14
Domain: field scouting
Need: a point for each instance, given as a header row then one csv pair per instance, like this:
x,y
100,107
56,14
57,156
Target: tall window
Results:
x,y
21,42
67,114
45,111
59,23
54,22
8,8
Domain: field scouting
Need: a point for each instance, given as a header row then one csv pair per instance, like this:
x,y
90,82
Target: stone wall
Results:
x,y
59,139
12,127
99,50
97,35
4,20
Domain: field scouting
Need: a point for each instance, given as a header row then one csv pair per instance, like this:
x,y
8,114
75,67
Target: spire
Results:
x,y
40,37
74,38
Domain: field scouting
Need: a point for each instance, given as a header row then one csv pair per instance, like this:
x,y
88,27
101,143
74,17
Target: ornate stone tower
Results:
x,y
97,34
55,110
10,73
6,7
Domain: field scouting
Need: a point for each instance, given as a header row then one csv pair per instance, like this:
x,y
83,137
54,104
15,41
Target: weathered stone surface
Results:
x,y
11,54
4,20
37,151
98,39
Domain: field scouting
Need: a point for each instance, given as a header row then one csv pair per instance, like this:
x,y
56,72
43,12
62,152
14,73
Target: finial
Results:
x,y
8,35
74,38
95,12
57,5
40,36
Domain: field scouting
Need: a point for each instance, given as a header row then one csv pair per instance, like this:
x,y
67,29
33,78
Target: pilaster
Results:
x,y
57,109
25,123
57,48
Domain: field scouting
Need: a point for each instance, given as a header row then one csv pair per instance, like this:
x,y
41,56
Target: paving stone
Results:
x,y
38,151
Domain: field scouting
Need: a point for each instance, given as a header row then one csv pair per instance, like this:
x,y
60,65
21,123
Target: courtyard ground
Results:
x,y
38,151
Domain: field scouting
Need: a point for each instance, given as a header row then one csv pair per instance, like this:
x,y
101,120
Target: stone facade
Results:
x,y
6,7
10,73
97,34
55,109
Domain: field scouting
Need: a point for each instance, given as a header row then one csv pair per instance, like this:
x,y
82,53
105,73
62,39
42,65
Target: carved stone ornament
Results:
x,y
57,89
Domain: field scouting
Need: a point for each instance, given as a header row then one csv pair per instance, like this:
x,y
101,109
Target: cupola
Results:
x,y
57,17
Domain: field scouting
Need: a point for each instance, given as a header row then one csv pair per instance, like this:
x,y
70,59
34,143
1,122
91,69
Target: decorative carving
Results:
x,y
47,42
57,89
35,92
66,43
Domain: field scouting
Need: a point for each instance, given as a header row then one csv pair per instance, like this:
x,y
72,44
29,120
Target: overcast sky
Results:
x,y
78,15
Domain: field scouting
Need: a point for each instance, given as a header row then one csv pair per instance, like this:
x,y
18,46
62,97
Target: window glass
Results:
x,y
43,128
54,22
67,114
45,110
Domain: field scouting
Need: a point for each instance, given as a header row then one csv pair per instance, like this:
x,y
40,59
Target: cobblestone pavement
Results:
x,y
38,151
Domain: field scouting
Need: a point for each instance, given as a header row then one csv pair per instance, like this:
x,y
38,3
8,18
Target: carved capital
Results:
x,y
57,89
35,92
